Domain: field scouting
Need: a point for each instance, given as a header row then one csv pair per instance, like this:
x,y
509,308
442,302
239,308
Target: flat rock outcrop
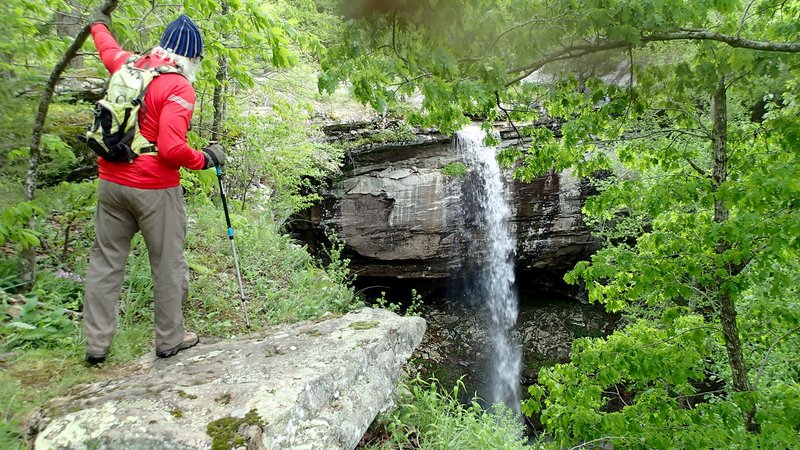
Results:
x,y
316,385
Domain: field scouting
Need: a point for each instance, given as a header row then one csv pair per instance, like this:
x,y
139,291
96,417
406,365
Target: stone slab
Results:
x,y
313,385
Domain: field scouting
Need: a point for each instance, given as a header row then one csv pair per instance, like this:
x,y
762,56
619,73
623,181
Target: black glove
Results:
x,y
215,156
99,16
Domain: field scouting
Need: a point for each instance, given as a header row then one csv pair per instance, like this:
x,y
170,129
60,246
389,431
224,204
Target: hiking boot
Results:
x,y
189,340
95,359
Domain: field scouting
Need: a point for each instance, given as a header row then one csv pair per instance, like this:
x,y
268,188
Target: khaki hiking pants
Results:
x,y
160,215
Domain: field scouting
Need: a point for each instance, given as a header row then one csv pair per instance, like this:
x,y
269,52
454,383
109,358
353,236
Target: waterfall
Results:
x,y
493,244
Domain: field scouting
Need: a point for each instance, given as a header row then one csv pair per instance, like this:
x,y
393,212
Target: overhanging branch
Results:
x,y
733,41
576,51
565,53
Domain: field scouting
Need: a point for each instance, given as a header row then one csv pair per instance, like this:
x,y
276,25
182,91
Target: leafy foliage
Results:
x,y
13,224
36,326
428,416
455,169
647,386
412,307
279,155
461,56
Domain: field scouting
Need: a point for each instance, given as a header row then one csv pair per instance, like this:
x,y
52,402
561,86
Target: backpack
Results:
x,y
114,135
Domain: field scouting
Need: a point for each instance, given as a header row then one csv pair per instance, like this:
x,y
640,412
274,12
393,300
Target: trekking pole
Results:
x,y
233,245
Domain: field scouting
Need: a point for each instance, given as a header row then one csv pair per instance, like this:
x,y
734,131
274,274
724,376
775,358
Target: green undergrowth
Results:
x,y
282,282
432,417
41,332
30,377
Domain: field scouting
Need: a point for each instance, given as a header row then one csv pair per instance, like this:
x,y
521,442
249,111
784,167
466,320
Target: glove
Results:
x,y
215,156
99,16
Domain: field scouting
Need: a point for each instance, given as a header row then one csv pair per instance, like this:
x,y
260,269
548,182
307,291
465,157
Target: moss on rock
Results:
x,y
225,434
364,325
184,394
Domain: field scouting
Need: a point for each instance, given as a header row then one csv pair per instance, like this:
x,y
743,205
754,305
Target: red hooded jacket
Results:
x,y
164,120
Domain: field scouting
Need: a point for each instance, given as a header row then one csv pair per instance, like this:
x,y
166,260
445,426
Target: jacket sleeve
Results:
x,y
173,126
112,55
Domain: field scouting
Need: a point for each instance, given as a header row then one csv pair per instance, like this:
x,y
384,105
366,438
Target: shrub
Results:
x,y
282,282
456,170
34,325
432,418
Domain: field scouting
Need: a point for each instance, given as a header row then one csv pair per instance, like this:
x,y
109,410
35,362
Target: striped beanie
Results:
x,y
182,37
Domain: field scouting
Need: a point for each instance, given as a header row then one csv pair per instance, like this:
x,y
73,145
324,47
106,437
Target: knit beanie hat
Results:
x,y
182,37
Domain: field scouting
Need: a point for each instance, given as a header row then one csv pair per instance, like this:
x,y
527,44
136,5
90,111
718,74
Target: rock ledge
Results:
x,y
313,386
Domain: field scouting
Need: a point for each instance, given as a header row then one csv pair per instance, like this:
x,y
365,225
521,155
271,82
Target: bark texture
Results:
x,y
727,306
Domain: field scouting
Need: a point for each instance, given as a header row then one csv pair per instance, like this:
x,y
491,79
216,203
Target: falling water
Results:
x,y
495,281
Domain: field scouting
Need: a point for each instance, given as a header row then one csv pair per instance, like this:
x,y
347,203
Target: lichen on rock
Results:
x,y
322,389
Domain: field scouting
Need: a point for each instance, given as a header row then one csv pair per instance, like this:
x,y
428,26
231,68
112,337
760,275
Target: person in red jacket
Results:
x,y
145,195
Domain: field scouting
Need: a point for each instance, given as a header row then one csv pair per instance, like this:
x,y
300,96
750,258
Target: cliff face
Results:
x,y
550,230
400,216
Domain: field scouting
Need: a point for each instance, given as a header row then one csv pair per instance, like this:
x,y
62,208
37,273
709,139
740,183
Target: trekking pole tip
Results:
x,y
244,309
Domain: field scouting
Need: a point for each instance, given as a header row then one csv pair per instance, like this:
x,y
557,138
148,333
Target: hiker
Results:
x,y
145,193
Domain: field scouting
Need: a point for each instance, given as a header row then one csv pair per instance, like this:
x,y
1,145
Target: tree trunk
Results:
x,y
727,307
68,23
28,269
219,90
219,100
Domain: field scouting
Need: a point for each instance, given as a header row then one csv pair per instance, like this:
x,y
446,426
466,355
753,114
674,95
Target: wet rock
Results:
x,y
401,216
452,349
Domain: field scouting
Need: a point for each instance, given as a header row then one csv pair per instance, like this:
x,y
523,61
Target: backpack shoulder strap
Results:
x,y
168,69
155,71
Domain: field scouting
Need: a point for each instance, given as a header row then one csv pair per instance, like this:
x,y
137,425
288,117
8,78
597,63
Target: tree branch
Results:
x,y
548,21
394,37
146,15
575,51
744,18
697,168
769,352
29,266
513,125
570,52
219,88
733,41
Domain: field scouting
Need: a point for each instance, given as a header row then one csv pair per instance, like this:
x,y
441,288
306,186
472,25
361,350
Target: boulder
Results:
x,y
316,385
